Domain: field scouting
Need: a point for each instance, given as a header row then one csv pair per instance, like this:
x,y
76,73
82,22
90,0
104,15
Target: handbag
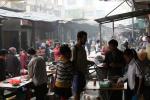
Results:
x,y
53,80
135,97
137,78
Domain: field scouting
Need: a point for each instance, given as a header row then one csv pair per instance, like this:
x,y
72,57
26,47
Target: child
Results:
x,y
64,74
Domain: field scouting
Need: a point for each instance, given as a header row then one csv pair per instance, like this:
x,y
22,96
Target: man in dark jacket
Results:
x,y
3,54
114,61
13,64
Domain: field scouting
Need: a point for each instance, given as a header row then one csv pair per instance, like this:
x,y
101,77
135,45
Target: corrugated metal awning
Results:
x,y
34,16
123,16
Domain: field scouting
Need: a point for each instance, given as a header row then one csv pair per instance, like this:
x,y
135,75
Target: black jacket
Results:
x,y
2,69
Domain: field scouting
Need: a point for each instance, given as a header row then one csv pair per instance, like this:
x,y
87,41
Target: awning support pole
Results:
x,y
115,8
113,25
100,30
132,21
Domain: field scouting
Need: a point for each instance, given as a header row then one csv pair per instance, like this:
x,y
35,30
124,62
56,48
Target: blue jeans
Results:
x,y
79,82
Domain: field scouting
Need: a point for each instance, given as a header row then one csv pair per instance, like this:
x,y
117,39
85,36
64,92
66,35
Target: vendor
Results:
x,y
114,59
115,63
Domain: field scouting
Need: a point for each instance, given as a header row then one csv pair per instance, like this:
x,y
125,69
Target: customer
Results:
x,y
146,64
37,71
81,64
3,54
64,74
133,76
56,52
23,59
97,46
13,64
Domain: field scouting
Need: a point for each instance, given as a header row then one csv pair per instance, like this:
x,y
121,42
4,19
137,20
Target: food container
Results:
x,y
105,84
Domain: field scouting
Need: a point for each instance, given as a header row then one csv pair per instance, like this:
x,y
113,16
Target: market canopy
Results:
x,y
34,16
123,16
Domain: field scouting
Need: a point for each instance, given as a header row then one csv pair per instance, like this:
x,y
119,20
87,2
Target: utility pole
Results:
x,y
132,21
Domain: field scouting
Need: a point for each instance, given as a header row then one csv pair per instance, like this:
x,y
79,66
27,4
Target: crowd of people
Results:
x,y
72,67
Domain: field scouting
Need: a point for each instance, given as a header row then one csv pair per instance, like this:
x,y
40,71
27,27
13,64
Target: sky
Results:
x,y
107,7
101,9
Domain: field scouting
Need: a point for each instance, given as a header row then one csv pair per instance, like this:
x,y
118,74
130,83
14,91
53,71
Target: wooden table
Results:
x,y
16,90
24,81
90,86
